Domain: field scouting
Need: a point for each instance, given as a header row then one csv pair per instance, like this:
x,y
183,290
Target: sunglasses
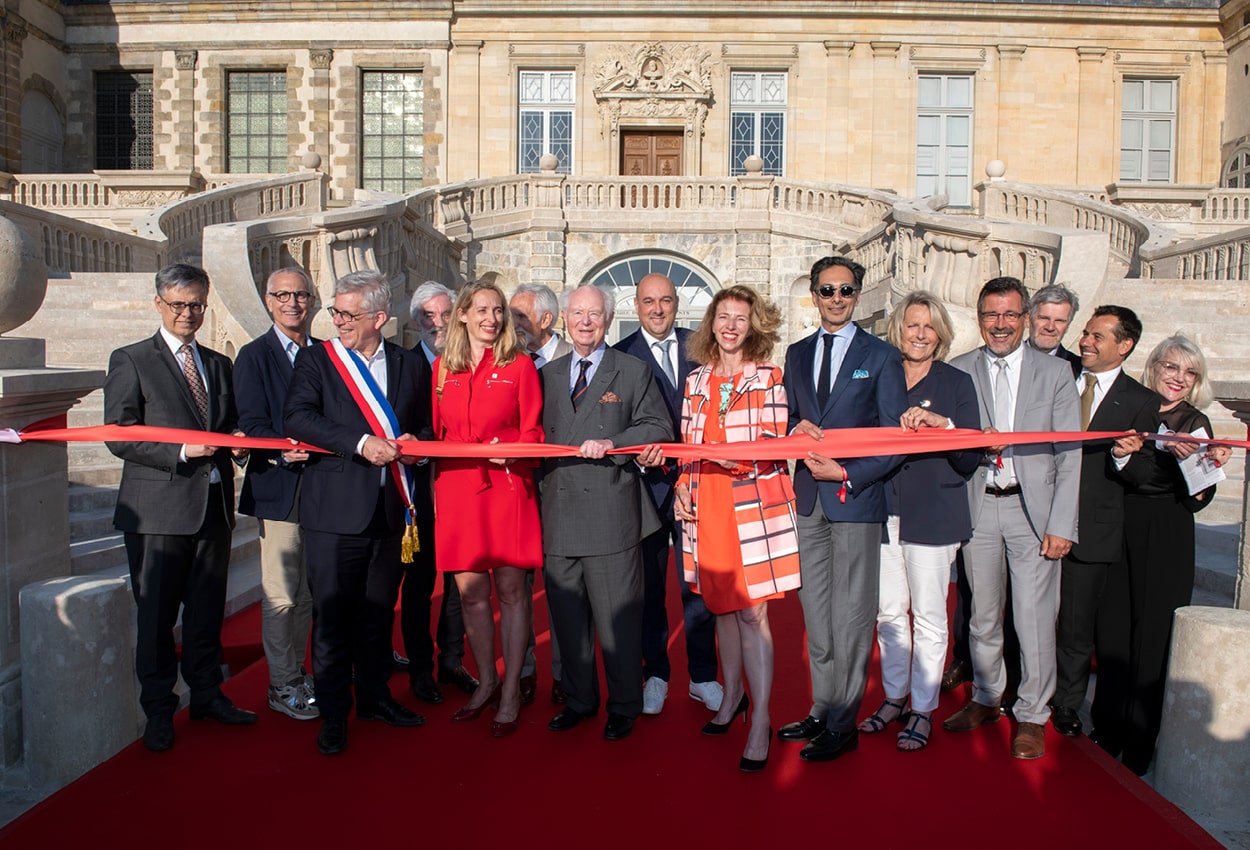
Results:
x,y
846,290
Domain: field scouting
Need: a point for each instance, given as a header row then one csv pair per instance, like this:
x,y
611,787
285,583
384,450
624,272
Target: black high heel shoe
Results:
x,y
747,765
714,728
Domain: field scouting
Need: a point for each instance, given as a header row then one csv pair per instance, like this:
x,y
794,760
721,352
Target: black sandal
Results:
x,y
877,723
912,735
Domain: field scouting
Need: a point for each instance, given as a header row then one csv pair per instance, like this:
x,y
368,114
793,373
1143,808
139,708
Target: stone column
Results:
x,y
11,92
1095,99
1204,740
1235,395
183,109
320,59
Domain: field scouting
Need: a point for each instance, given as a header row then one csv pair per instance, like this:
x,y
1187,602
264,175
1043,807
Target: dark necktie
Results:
x,y
195,382
579,386
823,383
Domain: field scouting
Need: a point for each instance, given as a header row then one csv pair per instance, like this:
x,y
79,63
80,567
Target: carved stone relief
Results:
x,y
653,80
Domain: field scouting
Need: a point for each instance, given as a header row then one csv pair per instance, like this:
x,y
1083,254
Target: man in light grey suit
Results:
x,y
1024,508
594,514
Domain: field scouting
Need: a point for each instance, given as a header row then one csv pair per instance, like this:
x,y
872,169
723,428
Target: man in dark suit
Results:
x,y
1110,401
175,505
663,347
430,308
352,507
1023,505
840,377
262,373
594,514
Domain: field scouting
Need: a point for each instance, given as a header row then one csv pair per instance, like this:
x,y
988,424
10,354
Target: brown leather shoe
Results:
x,y
558,696
956,674
1029,741
970,717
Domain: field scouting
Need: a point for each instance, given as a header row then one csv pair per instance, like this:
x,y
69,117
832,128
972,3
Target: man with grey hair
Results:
x,y
535,308
594,513
262,373
1050,314
430,308
175,504
356,396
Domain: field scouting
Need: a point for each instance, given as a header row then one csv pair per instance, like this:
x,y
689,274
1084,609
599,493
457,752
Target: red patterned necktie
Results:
x,y
579,386
195,382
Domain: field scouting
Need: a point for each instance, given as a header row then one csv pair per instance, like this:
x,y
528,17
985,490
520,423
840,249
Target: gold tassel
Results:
x,y
411,543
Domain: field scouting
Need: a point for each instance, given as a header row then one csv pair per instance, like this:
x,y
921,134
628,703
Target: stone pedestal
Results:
x,y
1235,395
78,694
1204,742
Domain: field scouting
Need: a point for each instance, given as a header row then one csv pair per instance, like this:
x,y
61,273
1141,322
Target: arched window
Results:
x,y
620,275
1237,171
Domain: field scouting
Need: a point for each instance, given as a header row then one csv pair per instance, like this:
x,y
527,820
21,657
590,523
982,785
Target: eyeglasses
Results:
x,y
828,290
1011,317
346,316
595,316
1174,370
180,307
284,296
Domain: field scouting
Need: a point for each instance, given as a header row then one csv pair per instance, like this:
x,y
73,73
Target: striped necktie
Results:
x,y
579,386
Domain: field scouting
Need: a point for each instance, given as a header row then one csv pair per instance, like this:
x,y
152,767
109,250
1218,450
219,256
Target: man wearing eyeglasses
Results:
x,y
262,374
1024,515
175,504
356,397
840,377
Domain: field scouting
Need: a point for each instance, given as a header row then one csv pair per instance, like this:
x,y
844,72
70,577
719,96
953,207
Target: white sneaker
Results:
x,y
293,701
709,693
653,695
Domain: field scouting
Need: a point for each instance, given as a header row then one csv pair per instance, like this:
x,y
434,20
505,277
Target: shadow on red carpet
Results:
x,y
453,785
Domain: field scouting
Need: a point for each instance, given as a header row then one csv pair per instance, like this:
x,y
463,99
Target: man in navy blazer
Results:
x,y
841,377
351,510
262,373
663,347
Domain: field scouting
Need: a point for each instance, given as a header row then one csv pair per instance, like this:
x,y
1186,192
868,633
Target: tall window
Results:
x,y
1148,131
1236,172
256,110
621,276
392,149
123,120
944,137
546,119
757,118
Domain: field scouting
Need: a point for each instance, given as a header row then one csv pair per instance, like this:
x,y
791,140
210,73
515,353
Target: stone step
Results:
x,y
92,523
242,582
96,475
84,497
106,553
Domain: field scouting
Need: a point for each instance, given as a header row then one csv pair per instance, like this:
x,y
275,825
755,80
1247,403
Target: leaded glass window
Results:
x,y
392,154
256,116
1147,131
545,121
123,120
757,119
1236,172
944,137
621,276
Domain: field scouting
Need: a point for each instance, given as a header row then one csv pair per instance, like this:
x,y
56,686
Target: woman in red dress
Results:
x,y
486,391
737,516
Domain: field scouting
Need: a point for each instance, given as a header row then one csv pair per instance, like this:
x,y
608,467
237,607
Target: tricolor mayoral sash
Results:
x,y
371,400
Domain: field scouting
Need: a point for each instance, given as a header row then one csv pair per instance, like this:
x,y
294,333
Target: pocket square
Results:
x,y
610,398
859,373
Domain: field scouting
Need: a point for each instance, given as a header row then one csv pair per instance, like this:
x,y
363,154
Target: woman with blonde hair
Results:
x,y
486,390
738,522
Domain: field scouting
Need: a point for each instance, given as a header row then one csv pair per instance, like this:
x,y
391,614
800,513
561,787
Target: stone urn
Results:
x,y
23,277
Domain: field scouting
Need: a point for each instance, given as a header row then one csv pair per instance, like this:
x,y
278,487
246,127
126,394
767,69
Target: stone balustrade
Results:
x,y
75,246
1224,256
99,190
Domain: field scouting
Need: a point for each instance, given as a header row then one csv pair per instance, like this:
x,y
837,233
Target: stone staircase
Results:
x,y
105,312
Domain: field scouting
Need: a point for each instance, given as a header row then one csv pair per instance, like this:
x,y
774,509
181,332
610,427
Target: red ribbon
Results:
x,y
841,443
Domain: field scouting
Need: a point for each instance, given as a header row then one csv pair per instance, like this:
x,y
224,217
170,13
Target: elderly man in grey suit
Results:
x,y
1024,507
594,513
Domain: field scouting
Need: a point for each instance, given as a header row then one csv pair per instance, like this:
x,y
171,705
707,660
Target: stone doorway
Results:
x,y
651,153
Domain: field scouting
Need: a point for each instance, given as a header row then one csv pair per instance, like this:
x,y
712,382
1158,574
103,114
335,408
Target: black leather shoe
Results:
x,y
529,688
459,677
828,745
802,730
158,735
221,709
618,726
389,712
400,662
333,735
1066,722
558,696
424,688
567,719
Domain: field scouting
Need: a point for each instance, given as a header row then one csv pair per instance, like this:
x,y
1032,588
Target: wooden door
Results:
x,y
651,153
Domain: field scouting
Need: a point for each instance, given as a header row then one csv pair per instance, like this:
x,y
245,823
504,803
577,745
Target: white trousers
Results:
x,y
914,577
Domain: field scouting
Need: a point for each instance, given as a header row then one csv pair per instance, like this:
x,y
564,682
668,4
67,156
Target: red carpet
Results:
x,y
452,785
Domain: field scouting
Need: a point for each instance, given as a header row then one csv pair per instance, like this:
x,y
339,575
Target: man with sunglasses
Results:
x,y
262,374
839,377
175,504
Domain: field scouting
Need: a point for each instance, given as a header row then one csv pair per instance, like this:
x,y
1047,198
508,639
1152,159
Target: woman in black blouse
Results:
x,y
1159,549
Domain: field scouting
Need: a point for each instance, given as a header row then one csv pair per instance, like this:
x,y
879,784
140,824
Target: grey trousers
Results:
x,y
840,564
1004,540
286,605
